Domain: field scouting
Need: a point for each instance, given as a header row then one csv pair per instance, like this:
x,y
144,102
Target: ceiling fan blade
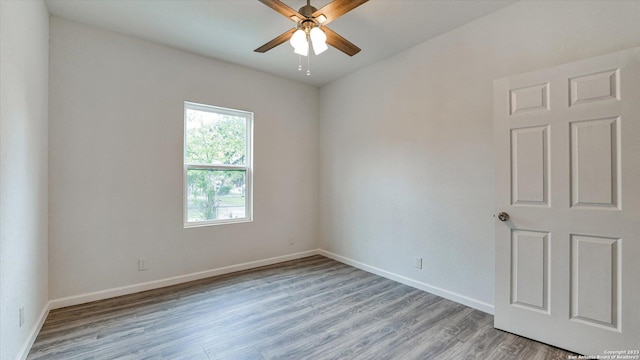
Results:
x,y
337,8
340,43
283,9
275,42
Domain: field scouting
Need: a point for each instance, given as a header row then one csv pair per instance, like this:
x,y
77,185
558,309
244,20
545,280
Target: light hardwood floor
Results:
x,y
312,308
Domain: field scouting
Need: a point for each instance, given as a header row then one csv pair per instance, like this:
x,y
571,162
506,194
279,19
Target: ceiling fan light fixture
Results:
x,y
318,40
299,39
302,50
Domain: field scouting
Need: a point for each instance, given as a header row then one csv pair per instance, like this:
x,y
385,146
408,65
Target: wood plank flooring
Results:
x,y
312,308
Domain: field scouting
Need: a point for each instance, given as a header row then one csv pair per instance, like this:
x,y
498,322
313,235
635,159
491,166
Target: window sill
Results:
x,y
217,222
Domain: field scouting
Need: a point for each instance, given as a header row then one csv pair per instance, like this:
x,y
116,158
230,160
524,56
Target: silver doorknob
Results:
x,y
503,216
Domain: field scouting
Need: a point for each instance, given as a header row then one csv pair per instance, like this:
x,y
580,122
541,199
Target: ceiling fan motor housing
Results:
x,y
307,11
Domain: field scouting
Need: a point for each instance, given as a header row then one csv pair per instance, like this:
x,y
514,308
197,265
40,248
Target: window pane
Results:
x,y
215,139
215,194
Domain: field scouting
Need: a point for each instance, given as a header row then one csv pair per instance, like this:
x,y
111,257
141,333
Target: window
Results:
x,y
217,165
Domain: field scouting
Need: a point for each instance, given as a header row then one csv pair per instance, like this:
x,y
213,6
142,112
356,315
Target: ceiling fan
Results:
x,y
311,25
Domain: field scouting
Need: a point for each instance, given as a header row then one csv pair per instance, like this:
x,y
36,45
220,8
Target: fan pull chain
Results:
x,y
299,62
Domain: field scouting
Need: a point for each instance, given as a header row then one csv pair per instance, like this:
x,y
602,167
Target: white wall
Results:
x,y
116,139
407,164
24,46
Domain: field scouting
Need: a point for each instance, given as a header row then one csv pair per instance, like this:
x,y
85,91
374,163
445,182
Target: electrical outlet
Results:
x,y
418,263
21,315
142,264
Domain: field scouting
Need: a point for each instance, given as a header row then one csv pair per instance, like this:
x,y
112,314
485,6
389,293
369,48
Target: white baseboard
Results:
x,y
130,289
33,334
450,295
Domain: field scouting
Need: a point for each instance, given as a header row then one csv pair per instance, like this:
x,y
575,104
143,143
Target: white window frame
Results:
x,y
248,167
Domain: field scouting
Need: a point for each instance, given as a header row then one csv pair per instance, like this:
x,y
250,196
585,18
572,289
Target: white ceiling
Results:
x,y
230,30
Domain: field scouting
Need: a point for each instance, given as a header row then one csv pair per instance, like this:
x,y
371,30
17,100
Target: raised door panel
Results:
x,y
595,163
595,281
594,87
529,270
530,166
529,98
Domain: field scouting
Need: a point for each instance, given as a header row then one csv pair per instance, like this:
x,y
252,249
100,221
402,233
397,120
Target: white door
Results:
x,y
568,175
